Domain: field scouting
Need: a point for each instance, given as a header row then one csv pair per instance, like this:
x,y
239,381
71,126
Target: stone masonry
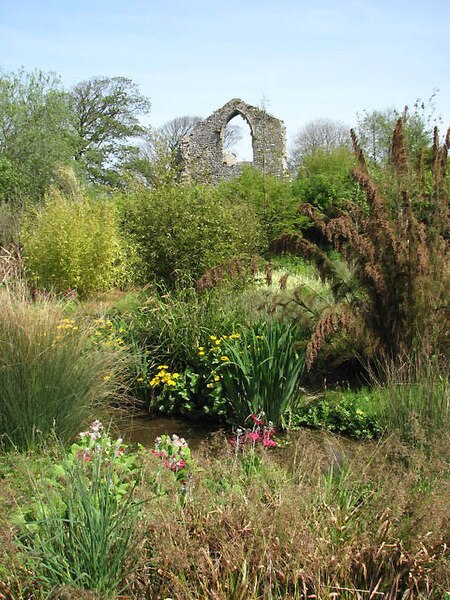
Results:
x,y
202,154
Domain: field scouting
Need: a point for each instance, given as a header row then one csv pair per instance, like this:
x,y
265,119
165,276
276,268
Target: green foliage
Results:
x,y
35,134
105,113
323,135
231,375
261,371
375,131
353,414
397,250
9,224
270,197
86,534
158,161
185,230
50,375
325,180
73,242
170,324
197,390
320,513
414,399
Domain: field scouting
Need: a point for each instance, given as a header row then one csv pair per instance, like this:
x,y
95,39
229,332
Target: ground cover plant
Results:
x,y
345,412
318,516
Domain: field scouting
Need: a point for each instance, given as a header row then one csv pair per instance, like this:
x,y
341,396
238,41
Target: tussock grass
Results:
x,y
51,375
413,399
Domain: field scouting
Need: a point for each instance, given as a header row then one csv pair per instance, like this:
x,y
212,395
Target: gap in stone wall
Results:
x,y
237,146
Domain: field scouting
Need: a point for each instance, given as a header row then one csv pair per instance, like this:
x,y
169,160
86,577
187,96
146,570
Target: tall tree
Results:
x,y
106,112
35,133
375,128
172,132
156,162
319,134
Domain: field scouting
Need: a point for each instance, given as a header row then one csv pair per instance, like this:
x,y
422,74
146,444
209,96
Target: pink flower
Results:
x,y
253,436
268,443
84,455
256,420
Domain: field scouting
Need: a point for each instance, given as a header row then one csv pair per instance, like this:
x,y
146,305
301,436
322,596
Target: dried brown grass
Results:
x,y
322,519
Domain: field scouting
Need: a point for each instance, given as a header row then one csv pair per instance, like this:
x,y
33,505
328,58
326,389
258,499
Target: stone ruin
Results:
x,y
202,154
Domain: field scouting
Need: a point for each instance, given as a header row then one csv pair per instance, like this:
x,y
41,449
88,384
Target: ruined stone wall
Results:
x,y
202,152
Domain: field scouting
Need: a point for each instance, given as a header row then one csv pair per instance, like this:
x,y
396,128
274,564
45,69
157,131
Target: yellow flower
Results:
x,y
109,323
140,379
171,382
154,381
213,338
201,353
210,385
200,348
106,377
217,342
224,358
162,367
175,375
216,378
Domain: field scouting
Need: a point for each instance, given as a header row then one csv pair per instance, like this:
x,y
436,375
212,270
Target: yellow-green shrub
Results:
x,y
188,229
74,242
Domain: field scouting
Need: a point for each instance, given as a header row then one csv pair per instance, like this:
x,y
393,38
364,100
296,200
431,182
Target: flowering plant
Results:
x,y
259,433
100,457
175,456
246,440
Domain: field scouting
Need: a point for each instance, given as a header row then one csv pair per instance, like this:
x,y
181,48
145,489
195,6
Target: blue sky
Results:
x,y
326,58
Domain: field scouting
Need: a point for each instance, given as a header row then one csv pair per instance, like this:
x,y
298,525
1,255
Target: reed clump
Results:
x,y
397,248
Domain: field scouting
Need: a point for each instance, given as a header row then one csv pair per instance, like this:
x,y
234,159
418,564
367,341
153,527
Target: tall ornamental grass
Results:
x,y
51,374
261,372
414,401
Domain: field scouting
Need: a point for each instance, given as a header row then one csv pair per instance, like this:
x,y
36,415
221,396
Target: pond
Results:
x,y
143,429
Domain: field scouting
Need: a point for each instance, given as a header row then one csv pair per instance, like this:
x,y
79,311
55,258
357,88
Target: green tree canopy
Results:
x,y
374,130
35,133
106,115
